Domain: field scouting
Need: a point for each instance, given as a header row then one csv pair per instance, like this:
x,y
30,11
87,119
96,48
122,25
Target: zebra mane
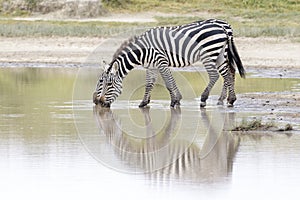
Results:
x,y
123,46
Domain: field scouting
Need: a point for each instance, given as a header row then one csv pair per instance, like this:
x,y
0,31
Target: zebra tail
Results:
x,y
234,58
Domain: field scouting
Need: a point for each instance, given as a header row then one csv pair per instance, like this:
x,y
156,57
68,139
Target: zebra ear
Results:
x,y
115,68
106,67
103,66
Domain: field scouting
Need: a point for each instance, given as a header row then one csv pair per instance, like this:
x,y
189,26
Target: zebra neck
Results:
x,y
127,62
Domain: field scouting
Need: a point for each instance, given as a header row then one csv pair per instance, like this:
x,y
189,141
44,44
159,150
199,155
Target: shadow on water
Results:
x,y
162,156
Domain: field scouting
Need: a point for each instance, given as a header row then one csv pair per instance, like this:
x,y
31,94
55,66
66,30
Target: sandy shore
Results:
x,y
49,50
255,52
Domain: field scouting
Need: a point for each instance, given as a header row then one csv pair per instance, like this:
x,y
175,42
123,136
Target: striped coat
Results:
x,y
158,49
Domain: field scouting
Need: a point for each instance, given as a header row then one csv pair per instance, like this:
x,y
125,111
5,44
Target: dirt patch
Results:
x,y
255,52
47,50
269,52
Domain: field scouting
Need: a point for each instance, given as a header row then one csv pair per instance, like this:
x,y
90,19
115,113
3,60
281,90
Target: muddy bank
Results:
x,y
278,107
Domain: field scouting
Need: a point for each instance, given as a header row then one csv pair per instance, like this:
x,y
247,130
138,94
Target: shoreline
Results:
x,y
254,52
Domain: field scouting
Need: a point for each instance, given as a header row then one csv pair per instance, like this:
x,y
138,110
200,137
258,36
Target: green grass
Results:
x,y
13,28
235,7
250,18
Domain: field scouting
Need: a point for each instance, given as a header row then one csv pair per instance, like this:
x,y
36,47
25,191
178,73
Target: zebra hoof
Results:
x,y
175,103
202,104
220,103
230,105
143,104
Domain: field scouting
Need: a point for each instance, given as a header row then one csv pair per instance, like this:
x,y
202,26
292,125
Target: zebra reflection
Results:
x,y
164,158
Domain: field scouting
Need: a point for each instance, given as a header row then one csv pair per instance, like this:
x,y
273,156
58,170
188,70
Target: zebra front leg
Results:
x,y
213,77
171,85
151,77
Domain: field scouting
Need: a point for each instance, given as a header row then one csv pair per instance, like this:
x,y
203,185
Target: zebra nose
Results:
x,y
102,99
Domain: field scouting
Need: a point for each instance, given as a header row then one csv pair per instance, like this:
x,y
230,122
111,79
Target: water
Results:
x,y
55,144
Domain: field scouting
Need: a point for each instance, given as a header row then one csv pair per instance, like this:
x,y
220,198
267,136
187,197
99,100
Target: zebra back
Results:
x,y
180,45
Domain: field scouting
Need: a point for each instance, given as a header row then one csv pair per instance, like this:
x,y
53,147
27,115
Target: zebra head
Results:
x,y
109,86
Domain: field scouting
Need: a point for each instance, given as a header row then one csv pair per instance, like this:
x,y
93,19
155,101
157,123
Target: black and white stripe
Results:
x,y
158,49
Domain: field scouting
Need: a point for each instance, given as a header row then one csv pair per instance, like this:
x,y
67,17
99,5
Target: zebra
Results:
x,y
158,49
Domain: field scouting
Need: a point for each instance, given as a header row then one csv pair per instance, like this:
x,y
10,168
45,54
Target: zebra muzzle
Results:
x,y
96,99
101,100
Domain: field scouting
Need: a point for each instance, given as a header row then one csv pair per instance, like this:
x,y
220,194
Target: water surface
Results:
x,y
55,144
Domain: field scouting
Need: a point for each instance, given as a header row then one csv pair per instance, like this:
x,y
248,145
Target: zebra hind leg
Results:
x,y
176,100
231,97
151,77
223,70
213,77
171,86
229,76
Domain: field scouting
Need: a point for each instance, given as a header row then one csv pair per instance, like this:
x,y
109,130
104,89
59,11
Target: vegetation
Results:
x,y
16,28
257,124
252,125
250,18
116,3
11,8
183,6
32,4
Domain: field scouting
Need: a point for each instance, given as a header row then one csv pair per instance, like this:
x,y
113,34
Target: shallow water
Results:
x,y
55,144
